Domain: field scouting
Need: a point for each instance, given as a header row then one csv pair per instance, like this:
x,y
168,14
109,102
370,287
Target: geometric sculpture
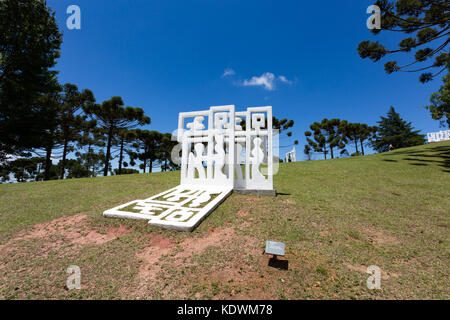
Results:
x,y
290,156
438,136
218,155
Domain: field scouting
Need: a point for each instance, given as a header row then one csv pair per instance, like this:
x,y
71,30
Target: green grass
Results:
x,y
336,217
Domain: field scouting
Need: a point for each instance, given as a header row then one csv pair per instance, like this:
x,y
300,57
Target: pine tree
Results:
x,y
366,133
426,24
50,137
93,138
112,116
125,137
357,133
29,46
327,136
318,144
308,152
165,150
71,122
147,144
396,131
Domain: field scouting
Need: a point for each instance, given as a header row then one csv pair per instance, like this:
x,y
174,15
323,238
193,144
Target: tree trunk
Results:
x,y
89,161
332,155
48,161
145,164
121,155
63,162
362,147
356,145
38,171
108,152
150,166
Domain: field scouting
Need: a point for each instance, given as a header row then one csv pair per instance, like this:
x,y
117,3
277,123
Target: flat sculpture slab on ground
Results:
x,y
217,156
181,208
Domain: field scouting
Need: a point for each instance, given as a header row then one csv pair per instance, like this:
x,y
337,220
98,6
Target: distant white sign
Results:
x,y
438,136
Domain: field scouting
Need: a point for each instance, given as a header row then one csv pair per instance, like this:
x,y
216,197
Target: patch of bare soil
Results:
x,y
378,237
181,255
149,257
214,237
242,213
72,230
243,278
160,246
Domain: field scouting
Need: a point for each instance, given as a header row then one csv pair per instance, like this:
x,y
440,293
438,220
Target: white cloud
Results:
x,y
266,80
284,80
228,72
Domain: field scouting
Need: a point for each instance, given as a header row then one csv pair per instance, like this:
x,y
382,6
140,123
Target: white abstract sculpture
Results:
x,y
438,136
291,156
214,160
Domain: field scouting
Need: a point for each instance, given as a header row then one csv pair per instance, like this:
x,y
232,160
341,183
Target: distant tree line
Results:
x,y
333,138
93,135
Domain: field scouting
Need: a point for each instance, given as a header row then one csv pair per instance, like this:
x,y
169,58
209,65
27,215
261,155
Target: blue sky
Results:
x,y
170,56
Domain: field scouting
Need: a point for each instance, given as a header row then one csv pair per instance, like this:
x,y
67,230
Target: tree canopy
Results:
x,y
426,22
112,116
327,136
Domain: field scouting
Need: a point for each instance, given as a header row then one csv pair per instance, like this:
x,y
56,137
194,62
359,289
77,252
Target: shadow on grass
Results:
x,y
439,155
279,264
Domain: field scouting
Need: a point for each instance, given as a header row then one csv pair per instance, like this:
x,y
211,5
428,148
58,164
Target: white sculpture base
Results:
x,y
181,208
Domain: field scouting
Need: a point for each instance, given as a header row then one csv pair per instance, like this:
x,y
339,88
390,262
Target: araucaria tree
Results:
x,y
113,117
50,132
357,133
165,150
71,121
284,125
426,22
29,46
396,131
366,133
327,137
147,145
308,152
90,141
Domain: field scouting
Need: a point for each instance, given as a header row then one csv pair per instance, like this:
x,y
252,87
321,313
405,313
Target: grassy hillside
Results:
x,y
336,217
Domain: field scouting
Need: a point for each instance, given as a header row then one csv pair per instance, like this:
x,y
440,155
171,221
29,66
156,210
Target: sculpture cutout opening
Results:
x,y
221,150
